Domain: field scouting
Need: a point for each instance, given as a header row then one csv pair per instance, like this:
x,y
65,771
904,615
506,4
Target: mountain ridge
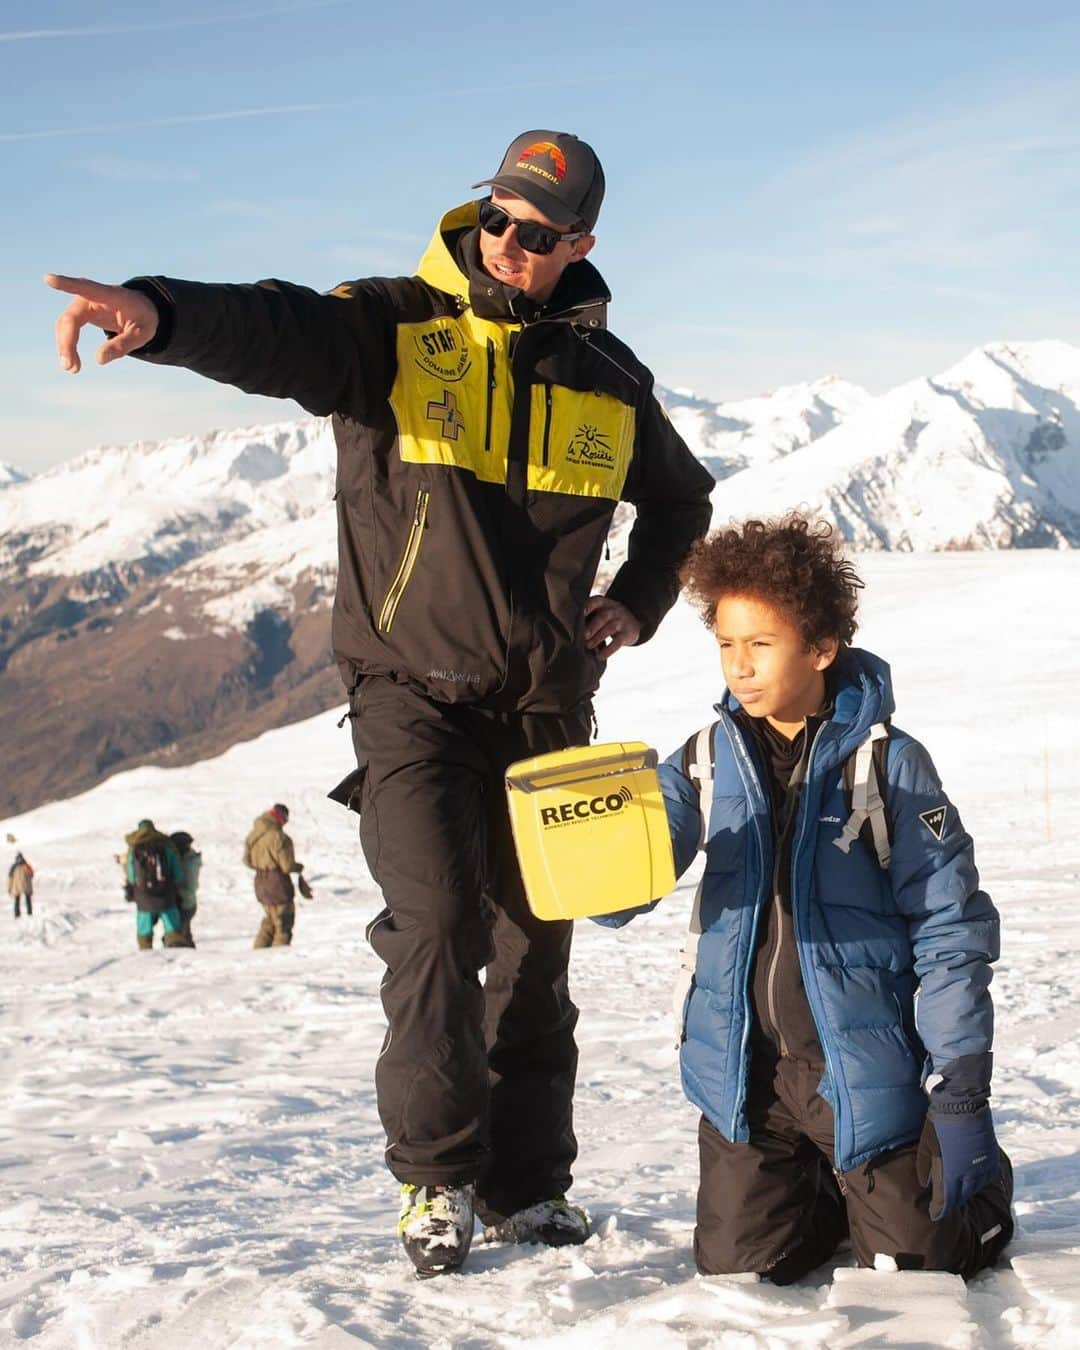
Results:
x,y
139,623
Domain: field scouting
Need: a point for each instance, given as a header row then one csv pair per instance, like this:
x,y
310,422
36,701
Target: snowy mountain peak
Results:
x,y
169,500
732,436
982,456
1046,364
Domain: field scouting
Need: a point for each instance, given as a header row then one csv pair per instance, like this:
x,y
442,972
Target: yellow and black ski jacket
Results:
x,y
483,443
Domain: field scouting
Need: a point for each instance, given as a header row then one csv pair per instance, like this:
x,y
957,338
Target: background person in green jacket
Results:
x,y
191,863
154,877
269,851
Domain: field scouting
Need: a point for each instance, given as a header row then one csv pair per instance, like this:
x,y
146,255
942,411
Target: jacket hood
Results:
x,y
267,823
580,293
862,696
144,835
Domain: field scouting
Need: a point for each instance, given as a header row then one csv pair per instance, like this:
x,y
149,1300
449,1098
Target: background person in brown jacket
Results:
x,y
269,851
21,884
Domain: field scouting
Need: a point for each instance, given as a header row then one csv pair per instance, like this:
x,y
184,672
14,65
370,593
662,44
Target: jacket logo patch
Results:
x,y
934,821
441,352
446,413
591,447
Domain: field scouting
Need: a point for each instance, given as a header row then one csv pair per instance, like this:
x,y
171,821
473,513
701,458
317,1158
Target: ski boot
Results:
x,y
555,1223
436,1227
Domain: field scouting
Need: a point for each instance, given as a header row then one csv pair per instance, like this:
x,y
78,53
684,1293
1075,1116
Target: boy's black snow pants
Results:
x,y
476,1077
774,1205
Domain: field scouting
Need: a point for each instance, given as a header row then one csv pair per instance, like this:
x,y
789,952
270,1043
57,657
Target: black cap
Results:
x,y
557,173
283,811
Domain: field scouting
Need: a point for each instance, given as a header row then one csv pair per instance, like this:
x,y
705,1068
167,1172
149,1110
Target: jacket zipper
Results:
x,y
812,990
770,986
408,561
490,392
547,423
750,783
586,337
798,778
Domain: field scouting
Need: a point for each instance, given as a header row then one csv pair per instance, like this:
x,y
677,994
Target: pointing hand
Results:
x,y
128,314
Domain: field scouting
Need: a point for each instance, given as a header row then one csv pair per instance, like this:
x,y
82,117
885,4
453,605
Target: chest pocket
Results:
x,y
453,394
580,441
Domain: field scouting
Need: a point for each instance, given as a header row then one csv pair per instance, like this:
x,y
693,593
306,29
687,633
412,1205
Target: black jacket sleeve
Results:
x,y
670,488
331,353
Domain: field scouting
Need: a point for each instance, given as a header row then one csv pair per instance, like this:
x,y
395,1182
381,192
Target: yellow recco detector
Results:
x,y
590,830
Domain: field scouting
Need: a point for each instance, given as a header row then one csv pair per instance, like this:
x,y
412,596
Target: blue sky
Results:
x,y
794,190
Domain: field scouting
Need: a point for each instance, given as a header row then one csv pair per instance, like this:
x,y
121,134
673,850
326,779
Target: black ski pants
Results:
x,y
475,1081
774,1205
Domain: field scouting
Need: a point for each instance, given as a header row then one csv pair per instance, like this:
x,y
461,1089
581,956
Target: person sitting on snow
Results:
x,y
839,884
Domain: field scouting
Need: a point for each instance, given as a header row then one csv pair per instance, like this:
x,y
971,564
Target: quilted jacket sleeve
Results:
x,y
683,809
952,922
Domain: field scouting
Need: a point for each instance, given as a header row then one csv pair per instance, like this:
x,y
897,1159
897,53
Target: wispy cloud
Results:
x,y
239,208
120,170
961,191
65,416
377,253
166,25
274,109
182,119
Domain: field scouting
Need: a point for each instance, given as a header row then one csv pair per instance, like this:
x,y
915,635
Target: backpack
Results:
x,y
152,879
863,773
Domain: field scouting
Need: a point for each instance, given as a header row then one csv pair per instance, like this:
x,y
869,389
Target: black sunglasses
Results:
x,y
533,237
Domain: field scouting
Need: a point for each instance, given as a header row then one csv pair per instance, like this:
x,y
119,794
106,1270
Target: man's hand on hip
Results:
x,y
128,314
610,626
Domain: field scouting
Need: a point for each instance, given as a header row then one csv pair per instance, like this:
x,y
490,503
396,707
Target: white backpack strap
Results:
x,y
701,775
867,802
687,965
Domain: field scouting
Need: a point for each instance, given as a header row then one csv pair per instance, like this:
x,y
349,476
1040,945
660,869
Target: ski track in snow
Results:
x,y
189,1145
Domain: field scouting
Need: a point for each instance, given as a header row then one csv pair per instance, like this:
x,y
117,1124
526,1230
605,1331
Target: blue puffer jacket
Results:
x,y
872,944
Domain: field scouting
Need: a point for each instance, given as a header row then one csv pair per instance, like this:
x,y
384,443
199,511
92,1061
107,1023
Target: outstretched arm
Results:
x,y
331,353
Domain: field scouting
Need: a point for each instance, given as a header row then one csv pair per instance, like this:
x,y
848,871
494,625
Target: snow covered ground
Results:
x,y
190,1150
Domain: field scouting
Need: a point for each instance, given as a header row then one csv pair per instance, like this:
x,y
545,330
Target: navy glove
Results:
x,y
958,1151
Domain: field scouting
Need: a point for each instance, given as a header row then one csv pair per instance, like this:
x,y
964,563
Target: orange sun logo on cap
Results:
x,y
558,159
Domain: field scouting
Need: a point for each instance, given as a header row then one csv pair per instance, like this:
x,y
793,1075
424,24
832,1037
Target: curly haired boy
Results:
x,y
836,1022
